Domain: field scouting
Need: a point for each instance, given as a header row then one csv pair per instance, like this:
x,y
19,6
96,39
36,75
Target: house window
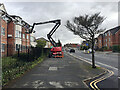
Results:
x,y
109,39
27,36
24,36
105,34
20,34
3,47
109,33
106,44
17,47
100,41
32,39
106,40
17,33
20,47
3,31
23,47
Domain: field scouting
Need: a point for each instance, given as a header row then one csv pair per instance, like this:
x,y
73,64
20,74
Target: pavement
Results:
x,y
67,72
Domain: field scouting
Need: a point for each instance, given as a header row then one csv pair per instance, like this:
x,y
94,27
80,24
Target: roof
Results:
x,y
2,7
114,30
15,16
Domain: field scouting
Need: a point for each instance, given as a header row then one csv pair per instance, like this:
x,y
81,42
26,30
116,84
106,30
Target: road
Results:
x,y
108,61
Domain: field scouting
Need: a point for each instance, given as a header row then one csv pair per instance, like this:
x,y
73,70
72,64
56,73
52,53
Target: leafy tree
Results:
x,y
87,27
41,43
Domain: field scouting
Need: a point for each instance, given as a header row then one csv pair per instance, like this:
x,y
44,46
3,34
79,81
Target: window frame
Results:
x,y
23,36
3,31
2,47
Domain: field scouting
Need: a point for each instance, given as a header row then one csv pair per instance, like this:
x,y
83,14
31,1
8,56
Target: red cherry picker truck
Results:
x,y
56,51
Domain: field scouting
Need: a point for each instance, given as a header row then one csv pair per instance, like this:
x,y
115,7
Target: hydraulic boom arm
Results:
x,y
57,24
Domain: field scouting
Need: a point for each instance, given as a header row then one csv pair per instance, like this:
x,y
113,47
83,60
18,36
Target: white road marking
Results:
x,y
71,84
38,84
56,84
52,68
118,77
26,84
102,64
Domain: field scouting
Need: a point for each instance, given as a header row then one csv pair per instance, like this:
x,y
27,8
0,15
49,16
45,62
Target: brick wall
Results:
x,y
116,38
100,41
4,37
24,40
11,40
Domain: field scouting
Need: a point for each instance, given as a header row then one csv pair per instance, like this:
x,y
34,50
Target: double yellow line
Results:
x,y
93,83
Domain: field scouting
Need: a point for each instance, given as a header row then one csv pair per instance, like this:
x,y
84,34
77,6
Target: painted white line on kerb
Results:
x,y
100,63
89,60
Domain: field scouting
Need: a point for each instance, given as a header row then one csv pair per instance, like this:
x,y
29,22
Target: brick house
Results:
x,y
109,38
3,30
17,38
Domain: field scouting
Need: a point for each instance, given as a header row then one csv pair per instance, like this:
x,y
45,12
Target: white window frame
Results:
x,y
109,33
27,36
16,33
24,36
3,31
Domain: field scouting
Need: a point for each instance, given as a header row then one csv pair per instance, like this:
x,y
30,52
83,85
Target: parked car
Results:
x,y
72,50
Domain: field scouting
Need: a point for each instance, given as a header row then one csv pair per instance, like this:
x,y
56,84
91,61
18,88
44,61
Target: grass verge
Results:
x,y
13,67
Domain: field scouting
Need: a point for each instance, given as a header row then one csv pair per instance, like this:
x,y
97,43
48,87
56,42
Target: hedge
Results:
x,y
116,48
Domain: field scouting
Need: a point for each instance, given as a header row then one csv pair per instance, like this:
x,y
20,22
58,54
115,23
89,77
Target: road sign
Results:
x,y
86,44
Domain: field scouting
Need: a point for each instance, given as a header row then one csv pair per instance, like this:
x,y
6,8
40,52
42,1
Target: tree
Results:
x,y
87,27
41,43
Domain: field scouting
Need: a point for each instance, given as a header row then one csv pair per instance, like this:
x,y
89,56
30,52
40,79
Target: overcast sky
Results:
x,y
44,11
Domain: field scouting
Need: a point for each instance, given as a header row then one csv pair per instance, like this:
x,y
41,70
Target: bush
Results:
x,y
116,48
105,48
100,49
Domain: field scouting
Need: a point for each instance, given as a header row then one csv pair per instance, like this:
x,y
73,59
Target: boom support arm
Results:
x,y
57,24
